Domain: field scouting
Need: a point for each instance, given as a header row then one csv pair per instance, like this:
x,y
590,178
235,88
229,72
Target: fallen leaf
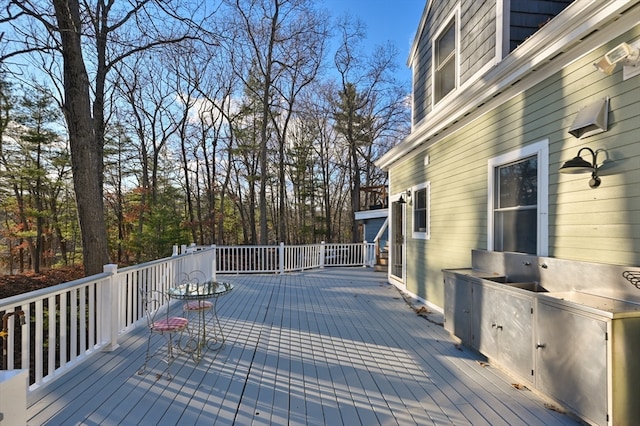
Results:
x,y
519,386
422,311
553,408
483,364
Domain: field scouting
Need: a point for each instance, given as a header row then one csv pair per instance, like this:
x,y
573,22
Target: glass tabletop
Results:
x,y
205,290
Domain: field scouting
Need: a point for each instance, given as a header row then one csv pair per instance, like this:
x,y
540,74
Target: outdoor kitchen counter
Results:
x,y
607,307
566,328
577,347
474,273
598,305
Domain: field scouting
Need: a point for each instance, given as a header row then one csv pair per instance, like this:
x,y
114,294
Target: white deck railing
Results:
x,y
68,322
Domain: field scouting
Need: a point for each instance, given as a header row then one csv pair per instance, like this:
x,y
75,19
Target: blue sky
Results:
x,y
395,21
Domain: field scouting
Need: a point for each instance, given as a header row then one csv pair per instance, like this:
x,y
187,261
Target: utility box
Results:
x,y
13,397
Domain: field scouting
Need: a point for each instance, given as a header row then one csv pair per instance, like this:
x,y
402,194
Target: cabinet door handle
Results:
x,y
541,345
499,327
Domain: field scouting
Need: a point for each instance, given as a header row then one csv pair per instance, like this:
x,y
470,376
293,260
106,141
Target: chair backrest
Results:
x,y
153,301
193,277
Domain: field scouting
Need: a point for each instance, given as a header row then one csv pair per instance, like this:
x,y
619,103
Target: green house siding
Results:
x,y
601,225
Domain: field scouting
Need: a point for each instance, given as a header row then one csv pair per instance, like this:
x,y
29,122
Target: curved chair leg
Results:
x,y
146,357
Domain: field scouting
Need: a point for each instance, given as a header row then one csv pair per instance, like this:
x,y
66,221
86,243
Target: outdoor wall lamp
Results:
x,y
623,53
407,193
579,165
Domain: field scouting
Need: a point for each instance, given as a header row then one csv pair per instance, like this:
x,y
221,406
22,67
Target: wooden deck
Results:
x,y
325,347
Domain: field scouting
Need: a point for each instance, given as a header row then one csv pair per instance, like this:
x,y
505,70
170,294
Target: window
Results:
x,y
518,201
420,207
516,206
444,58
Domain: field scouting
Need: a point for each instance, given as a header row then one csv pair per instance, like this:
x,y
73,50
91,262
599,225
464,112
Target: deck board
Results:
x,y
326,347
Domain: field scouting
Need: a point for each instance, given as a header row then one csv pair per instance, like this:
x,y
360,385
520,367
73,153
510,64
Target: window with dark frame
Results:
x,y
445,62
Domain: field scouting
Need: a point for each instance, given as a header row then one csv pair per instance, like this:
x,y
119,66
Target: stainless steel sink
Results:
x,y
530,286
502,279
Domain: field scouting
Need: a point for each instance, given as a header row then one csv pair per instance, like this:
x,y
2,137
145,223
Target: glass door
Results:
x,y
397,256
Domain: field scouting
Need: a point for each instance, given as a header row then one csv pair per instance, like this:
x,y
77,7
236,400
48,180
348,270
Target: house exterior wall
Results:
x,y
477,41
477,38
526,17
372,227
598,225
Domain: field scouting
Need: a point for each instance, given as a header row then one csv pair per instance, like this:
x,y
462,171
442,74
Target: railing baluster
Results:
x,y
10,346
51,337
64,335
73,325
26,336
91,314
38,342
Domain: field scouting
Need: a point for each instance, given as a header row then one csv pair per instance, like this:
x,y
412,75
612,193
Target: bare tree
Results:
x,y
92,38
371,104
279,44
303,54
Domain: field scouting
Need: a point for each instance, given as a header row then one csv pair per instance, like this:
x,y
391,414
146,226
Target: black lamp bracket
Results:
x,y
594,155
595,181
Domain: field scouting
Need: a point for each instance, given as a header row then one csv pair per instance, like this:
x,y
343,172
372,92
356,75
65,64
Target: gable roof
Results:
x,y
579,29
421,25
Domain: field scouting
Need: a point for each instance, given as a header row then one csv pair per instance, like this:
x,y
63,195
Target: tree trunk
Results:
x,y
355,193
86,148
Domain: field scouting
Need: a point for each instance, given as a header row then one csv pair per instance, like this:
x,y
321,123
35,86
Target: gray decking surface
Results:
x,y
326,347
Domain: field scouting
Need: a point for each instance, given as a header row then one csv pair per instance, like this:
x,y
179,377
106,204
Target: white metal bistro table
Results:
x,y
210,290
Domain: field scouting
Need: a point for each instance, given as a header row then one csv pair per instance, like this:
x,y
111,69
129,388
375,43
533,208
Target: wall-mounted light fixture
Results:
x,y
407,193
579,165
624,53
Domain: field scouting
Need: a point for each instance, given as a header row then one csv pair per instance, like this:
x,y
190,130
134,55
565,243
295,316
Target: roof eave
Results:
x,y
567,30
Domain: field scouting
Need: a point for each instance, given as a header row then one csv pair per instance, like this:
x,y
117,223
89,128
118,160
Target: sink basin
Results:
x,y
533,286
499,279
530,286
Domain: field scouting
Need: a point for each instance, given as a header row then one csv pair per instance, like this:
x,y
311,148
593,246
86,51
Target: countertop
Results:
x,y
599,305
607,307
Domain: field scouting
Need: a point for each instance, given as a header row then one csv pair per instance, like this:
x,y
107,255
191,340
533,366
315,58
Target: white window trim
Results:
x,y
541,149
503,24
455,16
416,234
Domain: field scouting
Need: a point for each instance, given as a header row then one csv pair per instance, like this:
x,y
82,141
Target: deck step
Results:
x,y
381,268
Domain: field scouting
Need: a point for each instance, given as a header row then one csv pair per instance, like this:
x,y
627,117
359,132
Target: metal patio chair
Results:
x,y
159,322
193,308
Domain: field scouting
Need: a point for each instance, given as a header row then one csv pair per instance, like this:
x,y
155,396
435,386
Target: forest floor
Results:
x,y
11,285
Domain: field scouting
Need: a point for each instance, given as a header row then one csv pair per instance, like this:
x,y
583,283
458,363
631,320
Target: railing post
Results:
x,y
281,258
322,254
175,250
214,263
109,309
365,254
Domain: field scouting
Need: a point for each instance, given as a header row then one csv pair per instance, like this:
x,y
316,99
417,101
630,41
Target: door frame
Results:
x,y
393,203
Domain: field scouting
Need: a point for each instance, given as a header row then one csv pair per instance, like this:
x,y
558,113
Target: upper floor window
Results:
x,y
444,61
420,202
